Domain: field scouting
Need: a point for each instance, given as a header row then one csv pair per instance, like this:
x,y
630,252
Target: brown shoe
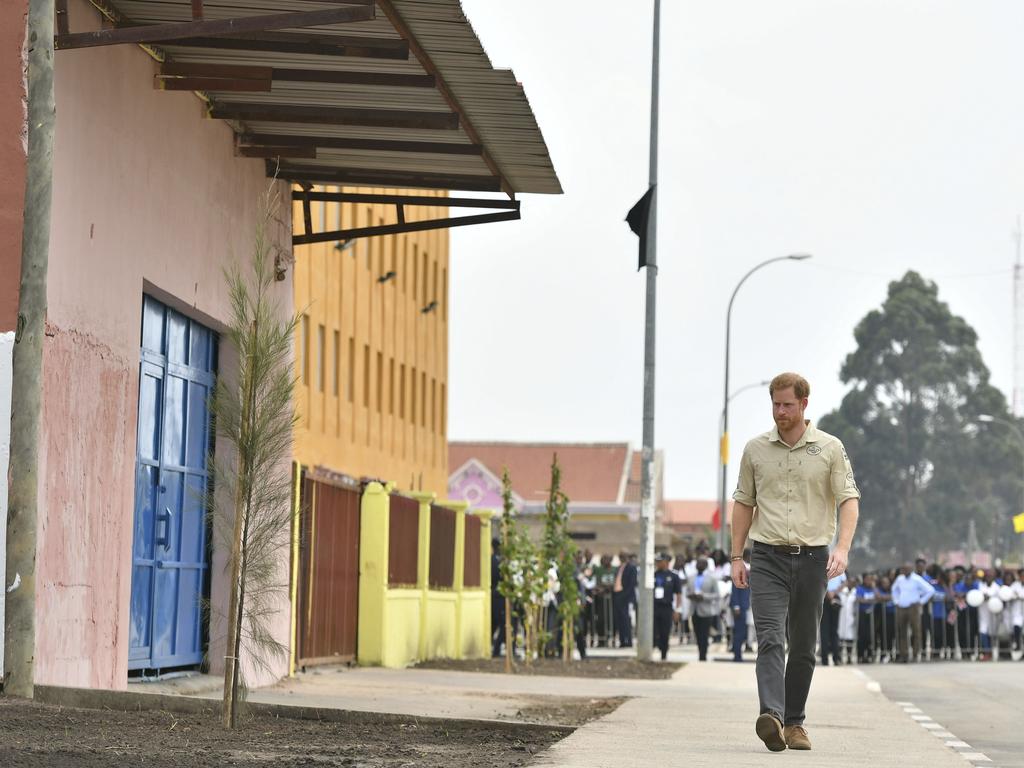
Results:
x,y
796,737
769,730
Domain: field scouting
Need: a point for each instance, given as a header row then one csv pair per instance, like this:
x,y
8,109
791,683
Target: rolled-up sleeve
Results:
x,y
844,486
746,490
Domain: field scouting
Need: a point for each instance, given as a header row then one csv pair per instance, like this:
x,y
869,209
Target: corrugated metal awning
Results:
x,y
401,94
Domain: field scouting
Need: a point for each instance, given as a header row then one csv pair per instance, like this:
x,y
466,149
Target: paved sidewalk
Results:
x,y
706,718
703,716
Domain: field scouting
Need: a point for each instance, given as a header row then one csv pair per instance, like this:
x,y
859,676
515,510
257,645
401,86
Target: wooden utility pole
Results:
x,y
27,389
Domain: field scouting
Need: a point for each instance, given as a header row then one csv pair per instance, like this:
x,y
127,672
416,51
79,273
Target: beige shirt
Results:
x,y
795,490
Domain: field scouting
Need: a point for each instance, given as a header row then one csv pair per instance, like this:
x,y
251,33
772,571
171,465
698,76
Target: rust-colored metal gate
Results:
x,y
328,588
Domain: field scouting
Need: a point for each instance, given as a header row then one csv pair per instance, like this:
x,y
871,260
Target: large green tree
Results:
x,y
924,463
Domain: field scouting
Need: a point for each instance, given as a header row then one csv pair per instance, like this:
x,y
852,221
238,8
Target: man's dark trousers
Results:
x,y
702,631
786,588
830,633
662,627
739,635
623,625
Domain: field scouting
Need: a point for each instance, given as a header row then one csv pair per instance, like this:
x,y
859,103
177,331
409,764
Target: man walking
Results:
x,y
910,592
702,590
667,598
795,476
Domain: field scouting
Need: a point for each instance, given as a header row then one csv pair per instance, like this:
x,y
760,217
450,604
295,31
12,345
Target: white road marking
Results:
x,y
931,726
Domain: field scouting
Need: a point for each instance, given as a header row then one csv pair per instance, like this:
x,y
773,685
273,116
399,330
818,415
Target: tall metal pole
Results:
x,y
645,604
723,446
26,389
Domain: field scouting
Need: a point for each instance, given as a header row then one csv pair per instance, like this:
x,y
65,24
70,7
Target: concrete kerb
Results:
x,y
129,701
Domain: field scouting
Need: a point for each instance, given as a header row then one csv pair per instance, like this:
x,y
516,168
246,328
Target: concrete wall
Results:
x,y
6,347
12,154
399,626
148,196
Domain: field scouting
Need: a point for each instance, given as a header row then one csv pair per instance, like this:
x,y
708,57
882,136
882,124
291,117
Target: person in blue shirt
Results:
x,y
885,618
668,590
910,593
865,619
941,644
739,604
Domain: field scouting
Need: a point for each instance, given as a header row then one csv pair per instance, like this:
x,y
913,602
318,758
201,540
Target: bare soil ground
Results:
x,y
596,666
565,710
35,735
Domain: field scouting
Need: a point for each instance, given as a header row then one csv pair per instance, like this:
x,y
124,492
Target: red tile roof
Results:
x,y
590,471
691,511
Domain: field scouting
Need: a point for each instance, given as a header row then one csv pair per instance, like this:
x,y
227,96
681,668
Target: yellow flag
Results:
x,y
1018,523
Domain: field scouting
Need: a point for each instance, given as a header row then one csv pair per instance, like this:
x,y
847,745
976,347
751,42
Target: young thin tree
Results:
x,y
560,550
251,501
506,586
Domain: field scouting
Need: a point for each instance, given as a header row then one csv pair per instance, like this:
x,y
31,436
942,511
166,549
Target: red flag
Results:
x,y
716,519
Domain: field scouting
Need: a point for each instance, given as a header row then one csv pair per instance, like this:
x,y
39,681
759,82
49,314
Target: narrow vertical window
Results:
x,y
336,348
423,399
321,345
415,271
350,384
444,409
304,350
366,375
424,299
433,406
391,387
412,401
401,392
444,294
380,382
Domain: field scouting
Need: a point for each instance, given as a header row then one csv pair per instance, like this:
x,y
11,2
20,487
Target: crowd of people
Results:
x,y
913,613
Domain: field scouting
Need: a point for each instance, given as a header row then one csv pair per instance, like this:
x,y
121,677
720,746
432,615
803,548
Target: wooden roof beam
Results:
x,y
369,145
159,33
309,44
382,178
287,74
378,118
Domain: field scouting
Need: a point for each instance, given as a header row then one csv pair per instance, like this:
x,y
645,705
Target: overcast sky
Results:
x,y
879,135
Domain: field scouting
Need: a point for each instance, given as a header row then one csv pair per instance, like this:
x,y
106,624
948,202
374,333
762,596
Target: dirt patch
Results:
x,y
617,668
37,735
565,710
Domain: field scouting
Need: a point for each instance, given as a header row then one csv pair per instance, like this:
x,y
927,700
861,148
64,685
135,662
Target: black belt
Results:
x,y
789,549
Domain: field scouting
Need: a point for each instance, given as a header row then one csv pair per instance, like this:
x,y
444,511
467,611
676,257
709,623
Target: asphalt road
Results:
x,y
982,703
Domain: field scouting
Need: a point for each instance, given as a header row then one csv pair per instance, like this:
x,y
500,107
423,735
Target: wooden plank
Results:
x,y
197,10
308,44
157,33
61,19
386,199
385,178
299,75
371,145
210,84
305,153
354,78
409,226
236,71
379,118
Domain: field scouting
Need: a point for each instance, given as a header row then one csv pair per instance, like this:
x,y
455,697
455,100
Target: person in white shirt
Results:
x,y
910,591
848,618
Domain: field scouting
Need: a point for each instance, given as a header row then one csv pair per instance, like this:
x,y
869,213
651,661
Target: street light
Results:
x,y
986,418
724,440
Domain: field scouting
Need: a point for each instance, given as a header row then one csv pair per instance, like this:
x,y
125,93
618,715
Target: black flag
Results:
x,y
638,219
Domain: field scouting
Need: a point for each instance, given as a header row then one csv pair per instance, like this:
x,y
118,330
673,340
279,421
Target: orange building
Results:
x,y
372,347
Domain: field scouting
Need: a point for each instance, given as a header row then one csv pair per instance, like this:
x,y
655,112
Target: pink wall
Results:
x,y
148,195
12,155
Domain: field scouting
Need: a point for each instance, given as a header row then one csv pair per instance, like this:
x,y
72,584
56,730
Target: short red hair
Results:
x,y
786,380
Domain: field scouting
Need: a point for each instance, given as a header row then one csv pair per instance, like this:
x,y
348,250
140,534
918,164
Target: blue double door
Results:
x,y
169,551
